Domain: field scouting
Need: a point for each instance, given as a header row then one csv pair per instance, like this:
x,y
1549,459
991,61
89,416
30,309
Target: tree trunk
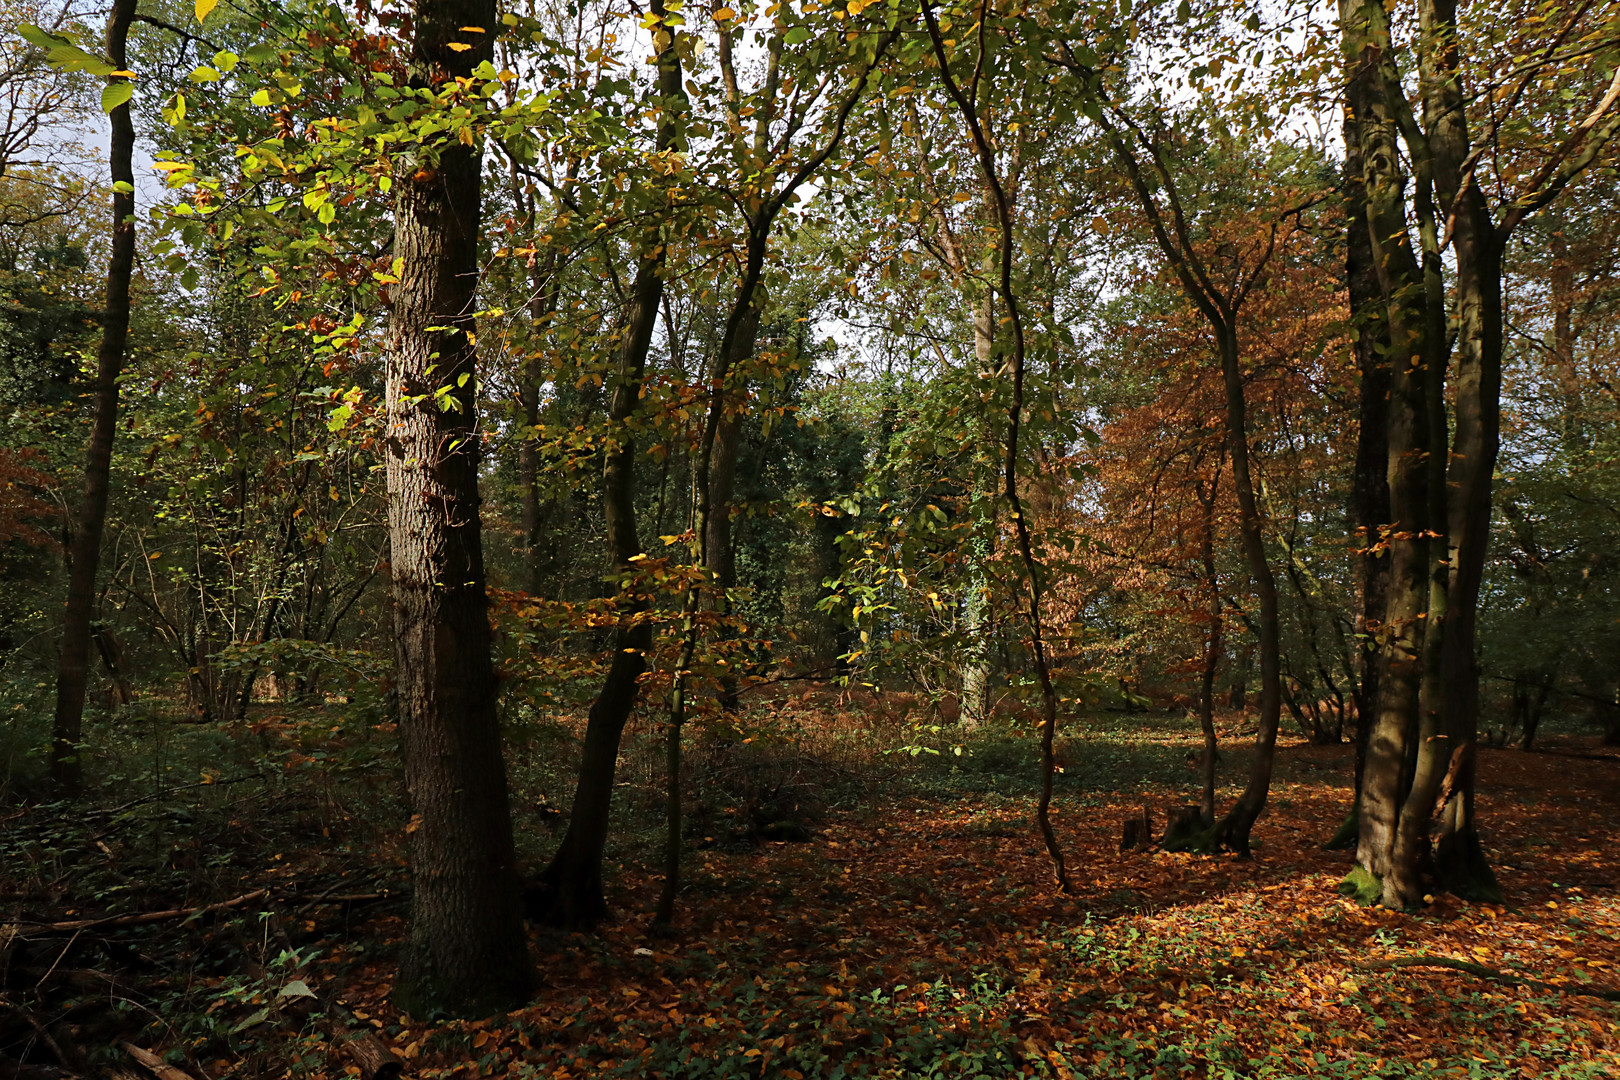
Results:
x,y
1459,860
1460,493
466,952
1241,818
73,668
1370,483
719,554
1561,286
1212,658
1394,722
542,305
570,894
975,704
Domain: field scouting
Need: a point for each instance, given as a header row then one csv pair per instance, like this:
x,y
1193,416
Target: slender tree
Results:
x,y
1219,297
965,98
570,891
73,667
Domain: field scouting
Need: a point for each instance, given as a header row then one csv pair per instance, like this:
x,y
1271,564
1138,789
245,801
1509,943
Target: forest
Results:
x,y
809,539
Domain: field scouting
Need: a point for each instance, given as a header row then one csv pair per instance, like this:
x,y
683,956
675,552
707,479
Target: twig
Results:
x,y
144,917
1483,972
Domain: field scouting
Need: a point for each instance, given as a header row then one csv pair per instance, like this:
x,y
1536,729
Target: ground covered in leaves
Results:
x,y
919,933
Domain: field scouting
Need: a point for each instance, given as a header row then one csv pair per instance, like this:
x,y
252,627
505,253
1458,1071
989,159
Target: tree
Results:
x,y
1419,808
467,952
571,885
74,661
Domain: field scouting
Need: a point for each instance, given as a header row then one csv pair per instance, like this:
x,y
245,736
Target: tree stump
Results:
x,y
1184,822
1137,832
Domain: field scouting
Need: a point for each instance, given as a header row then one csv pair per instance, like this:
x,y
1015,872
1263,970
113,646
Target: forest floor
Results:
x,y
918,932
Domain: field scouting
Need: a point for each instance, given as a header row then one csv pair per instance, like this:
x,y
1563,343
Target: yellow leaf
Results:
x,y
457,46
473,30
723,14
204,7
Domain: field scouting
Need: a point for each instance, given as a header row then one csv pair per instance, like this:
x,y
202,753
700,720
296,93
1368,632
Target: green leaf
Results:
x,y
116,94
797,35
204,73
226,60
44,39
1183,12
256,1018
73,58
124,187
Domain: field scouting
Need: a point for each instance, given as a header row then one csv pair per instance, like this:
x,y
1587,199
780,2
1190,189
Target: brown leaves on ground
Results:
x,y
922,934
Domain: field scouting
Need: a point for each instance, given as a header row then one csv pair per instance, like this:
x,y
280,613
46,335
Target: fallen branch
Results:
x,y
144,917
154,1064
1483,972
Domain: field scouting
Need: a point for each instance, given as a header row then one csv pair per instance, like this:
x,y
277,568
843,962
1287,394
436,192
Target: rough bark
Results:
x,y
73,664
466,952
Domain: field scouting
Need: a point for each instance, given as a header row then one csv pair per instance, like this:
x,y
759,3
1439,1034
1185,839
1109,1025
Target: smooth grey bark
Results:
x,y
466,952
73,662
1370,481
1401,629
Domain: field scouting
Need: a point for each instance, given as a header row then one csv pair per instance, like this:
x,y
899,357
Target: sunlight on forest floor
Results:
x,y
917,933
925,938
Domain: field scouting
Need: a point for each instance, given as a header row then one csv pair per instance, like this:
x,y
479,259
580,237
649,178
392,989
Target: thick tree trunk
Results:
x,y
1370,483
1460,492
1393,723
73,668
570,893
1459,860
466,952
